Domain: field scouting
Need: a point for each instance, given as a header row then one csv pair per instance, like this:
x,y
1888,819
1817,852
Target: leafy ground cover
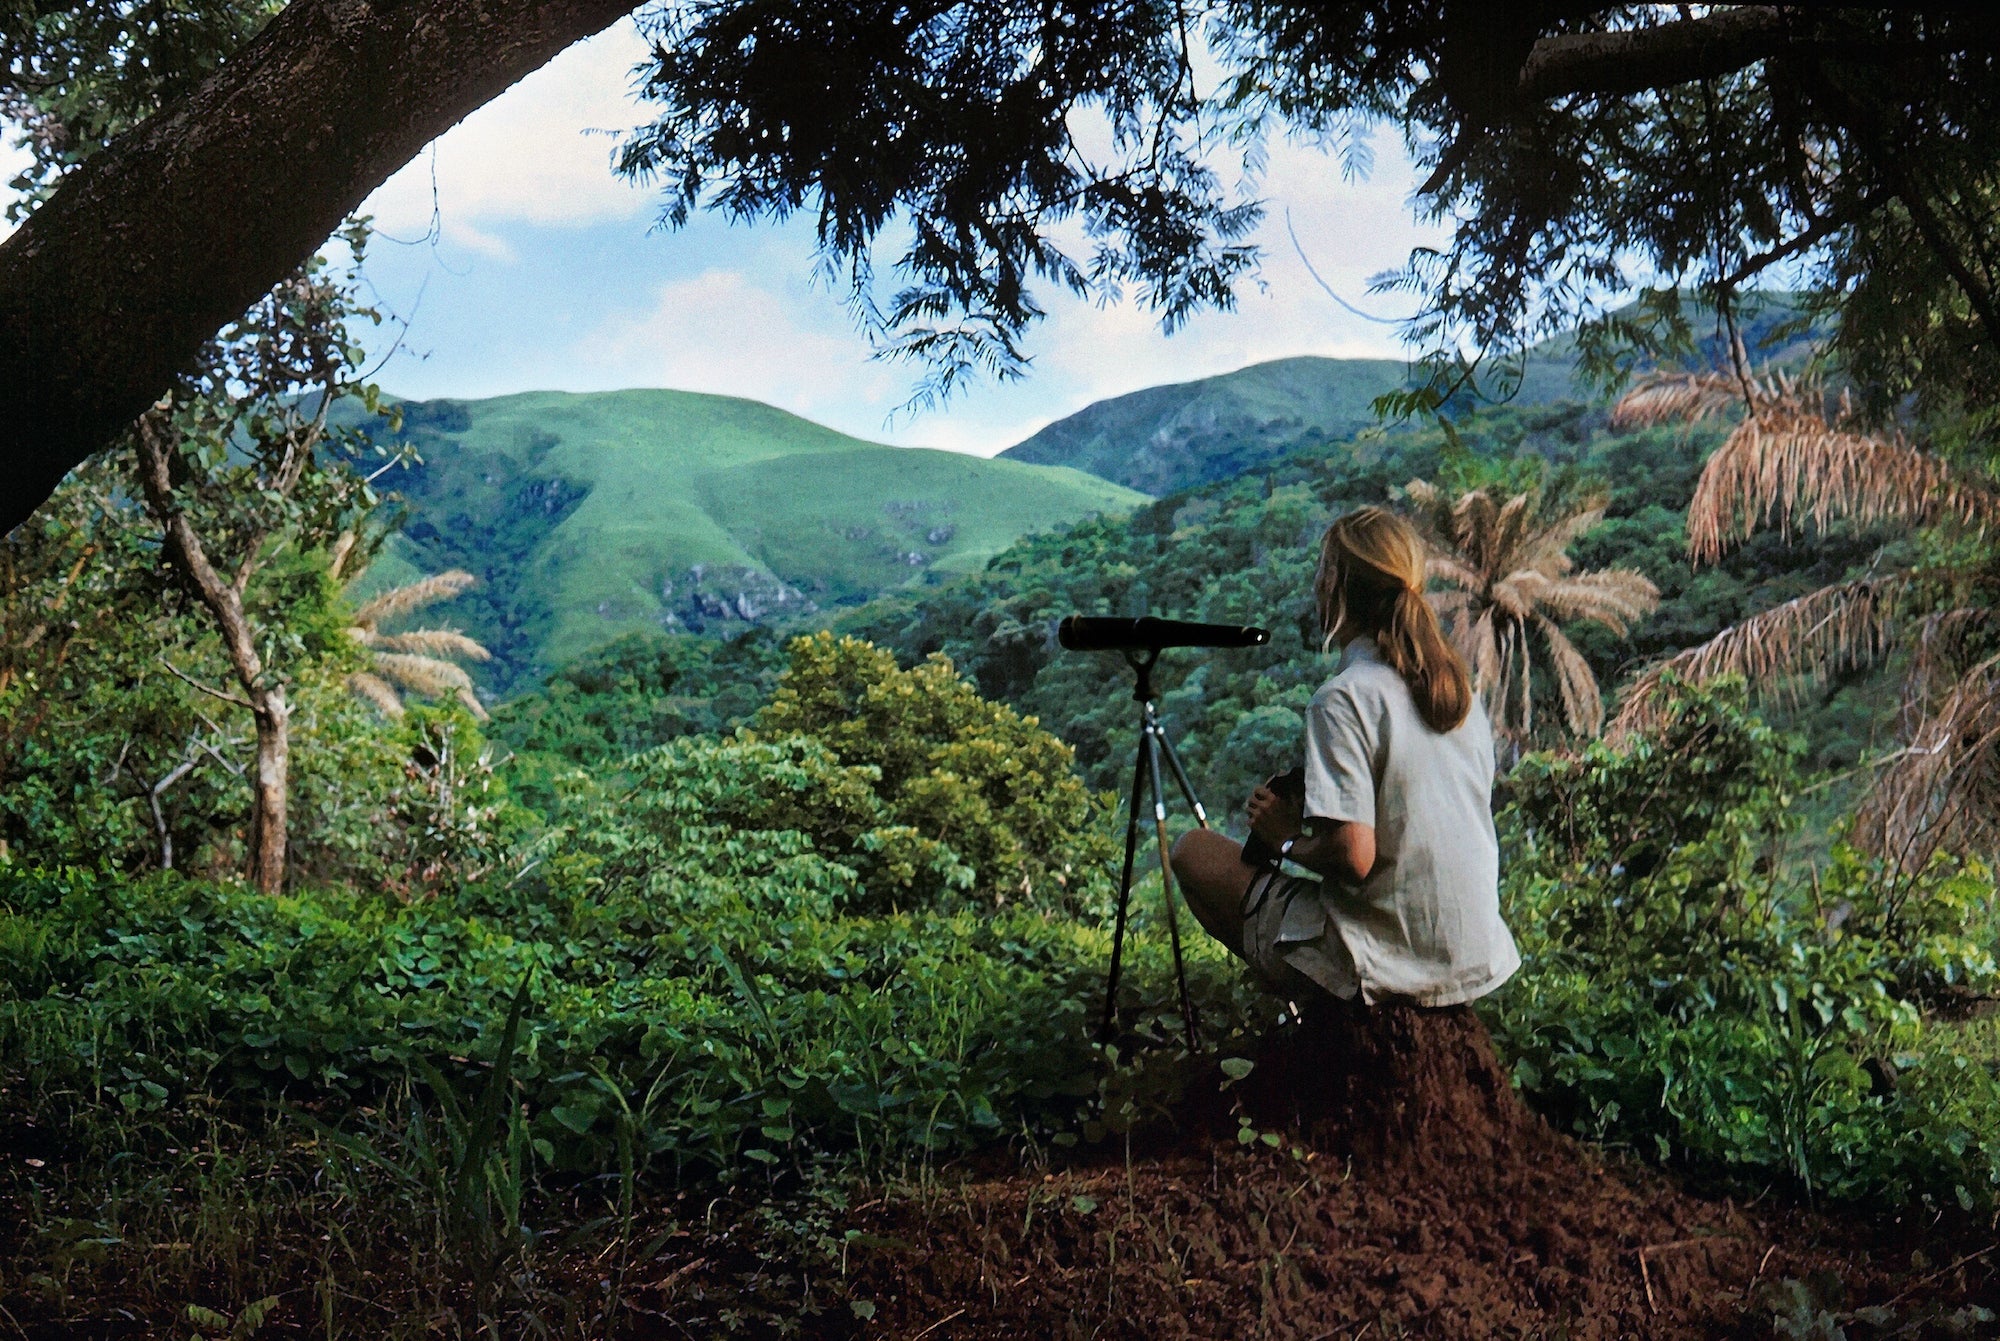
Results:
x,y
737,974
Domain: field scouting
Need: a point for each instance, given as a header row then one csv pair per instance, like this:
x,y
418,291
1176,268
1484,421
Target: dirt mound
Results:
x,y
1408,1193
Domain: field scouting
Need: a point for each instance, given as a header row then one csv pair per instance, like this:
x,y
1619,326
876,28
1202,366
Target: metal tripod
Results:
x,y
1153,743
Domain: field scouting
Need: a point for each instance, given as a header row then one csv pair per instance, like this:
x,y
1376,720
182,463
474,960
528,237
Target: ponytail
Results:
x,y
1371,581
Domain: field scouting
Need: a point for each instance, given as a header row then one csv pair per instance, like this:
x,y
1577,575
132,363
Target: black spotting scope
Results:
x,y
1093,633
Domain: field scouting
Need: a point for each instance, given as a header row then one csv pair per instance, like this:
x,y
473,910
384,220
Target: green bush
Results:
x,y
951,768
1689,991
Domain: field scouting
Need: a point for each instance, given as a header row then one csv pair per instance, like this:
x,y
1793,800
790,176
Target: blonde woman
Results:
x,y
1395,814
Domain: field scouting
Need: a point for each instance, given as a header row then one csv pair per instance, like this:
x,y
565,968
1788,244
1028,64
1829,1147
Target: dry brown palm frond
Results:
x,y
398,601
377,691
1582,704
426,675
1943,787
1789,463
1450,606
1689,398
1809,638
1424,494
1613,597
472,704
1547,550
1450,568
1940,650
432,643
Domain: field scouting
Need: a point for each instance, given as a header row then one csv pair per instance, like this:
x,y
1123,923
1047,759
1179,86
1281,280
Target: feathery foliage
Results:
x,y
1798,453
421,661
1508,580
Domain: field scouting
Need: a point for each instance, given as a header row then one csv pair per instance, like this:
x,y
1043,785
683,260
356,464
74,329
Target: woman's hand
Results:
x,y
1275,818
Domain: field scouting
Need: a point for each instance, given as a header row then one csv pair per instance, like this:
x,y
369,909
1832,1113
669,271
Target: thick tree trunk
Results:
x,y
108,291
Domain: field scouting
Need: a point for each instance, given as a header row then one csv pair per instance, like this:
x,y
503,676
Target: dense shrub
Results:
x,y
1690,991
950,767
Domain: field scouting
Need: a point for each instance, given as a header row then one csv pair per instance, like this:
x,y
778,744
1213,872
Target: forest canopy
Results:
x,y
1580,151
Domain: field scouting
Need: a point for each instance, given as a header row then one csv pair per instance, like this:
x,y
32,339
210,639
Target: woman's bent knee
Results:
x,y
1201,852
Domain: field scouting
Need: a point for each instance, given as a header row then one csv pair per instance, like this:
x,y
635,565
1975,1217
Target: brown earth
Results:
x,y
1409,1193
1369,1178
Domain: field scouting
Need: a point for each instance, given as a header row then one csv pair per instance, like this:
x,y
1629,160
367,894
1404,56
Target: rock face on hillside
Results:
x,y
719,598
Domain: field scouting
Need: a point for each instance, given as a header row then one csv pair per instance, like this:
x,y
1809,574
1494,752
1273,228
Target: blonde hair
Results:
x,y
1371,582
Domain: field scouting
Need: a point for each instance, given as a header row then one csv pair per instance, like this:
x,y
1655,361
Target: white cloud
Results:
x,y
534,154
723,332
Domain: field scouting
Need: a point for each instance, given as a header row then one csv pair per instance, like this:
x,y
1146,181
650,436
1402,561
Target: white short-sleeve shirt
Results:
x,y
1425,925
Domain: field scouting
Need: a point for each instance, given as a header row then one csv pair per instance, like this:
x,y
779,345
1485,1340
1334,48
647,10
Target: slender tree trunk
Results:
x,y
224,600
110,289
270,786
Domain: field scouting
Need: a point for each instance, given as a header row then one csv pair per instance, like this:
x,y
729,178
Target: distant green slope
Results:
x,y
590,516
1168,438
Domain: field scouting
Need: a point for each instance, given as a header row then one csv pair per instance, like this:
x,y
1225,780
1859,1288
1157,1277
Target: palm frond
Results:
x,y
473,705
377,691
442,643
1943,787
426,675
1613,597
1582,704
1676,398
1809,638
1547,550
1689,398
1452,569
1789,463
411,596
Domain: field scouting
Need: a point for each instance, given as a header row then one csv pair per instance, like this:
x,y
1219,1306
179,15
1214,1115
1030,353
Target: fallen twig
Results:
x,y
1646,1275
934,1326
1914,1286
1761,1264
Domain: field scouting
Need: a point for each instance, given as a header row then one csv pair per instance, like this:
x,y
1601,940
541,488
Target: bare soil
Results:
x,y
1410,1194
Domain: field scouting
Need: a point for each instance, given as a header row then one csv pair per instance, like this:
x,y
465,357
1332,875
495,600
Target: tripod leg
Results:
x,y
1180,774
1151,739
1125,887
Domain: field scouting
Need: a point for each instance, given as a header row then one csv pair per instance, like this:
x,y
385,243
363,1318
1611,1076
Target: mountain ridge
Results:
x,y
588,515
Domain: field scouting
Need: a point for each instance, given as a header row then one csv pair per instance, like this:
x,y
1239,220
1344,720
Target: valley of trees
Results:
x,y
709,986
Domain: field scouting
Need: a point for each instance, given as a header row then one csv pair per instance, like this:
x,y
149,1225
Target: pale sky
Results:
x,y
520,262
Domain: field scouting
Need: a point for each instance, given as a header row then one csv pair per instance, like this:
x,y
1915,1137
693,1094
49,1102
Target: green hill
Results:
x,y
1168,438
590,516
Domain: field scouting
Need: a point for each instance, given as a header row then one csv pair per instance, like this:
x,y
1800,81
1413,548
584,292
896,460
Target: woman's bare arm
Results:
x,y
1343,849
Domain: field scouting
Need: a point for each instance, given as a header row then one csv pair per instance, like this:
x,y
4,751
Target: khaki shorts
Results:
x,y
1291,940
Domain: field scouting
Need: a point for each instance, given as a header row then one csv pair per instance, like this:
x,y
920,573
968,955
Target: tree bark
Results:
x,y
110,289
269,783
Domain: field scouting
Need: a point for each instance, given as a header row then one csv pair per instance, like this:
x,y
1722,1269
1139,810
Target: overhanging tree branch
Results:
x,y
109,290
1634,60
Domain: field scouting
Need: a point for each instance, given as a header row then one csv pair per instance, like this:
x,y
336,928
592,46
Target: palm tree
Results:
x,y
1799,456
418,660
1509,580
